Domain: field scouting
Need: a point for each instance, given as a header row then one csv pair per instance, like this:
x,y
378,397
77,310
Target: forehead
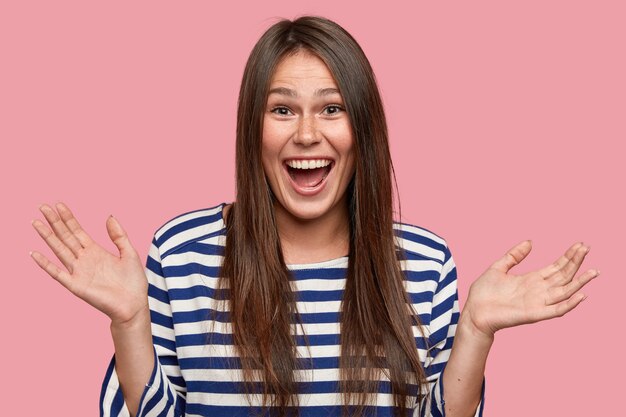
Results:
x,y
302,68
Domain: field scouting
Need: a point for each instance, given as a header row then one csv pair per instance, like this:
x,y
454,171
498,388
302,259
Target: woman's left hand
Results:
x,y
499,299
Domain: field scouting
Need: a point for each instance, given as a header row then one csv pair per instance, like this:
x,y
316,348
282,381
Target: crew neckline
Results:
x,y
320,264
309,265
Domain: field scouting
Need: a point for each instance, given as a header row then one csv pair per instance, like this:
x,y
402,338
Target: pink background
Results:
x,y
507,122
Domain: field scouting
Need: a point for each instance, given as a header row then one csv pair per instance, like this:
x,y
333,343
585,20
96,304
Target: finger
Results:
x,y
556,266
55,272
569,269
60,250
120,238
573,265
564,307
563,292
514,256
72,224
60,229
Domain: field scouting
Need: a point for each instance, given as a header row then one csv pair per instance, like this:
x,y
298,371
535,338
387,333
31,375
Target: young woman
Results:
x,y
304,296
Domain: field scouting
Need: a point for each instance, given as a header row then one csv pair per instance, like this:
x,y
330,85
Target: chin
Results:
x,y
309,210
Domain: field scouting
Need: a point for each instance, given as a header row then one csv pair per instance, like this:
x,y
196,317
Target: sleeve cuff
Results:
x,y
157,394
435,405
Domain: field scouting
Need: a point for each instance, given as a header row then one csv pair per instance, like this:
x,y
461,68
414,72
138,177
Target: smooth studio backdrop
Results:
x,y
507,122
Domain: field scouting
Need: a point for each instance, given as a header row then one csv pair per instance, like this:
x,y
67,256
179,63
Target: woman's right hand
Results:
x,y
115,285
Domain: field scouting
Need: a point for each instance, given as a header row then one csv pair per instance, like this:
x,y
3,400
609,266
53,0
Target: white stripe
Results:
x,y
422,249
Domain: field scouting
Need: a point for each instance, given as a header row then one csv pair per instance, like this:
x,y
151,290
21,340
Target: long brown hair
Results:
x,y
376,318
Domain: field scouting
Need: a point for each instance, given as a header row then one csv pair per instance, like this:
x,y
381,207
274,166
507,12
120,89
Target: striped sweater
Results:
x,y
193,378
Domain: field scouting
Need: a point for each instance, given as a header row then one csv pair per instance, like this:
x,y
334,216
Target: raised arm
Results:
x,y
114,284
499,299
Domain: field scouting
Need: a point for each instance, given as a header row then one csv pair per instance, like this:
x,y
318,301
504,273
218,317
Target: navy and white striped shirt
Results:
x,y
193,378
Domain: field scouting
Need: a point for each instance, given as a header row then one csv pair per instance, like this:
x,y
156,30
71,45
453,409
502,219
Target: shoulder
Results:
x,y
417,241
189,227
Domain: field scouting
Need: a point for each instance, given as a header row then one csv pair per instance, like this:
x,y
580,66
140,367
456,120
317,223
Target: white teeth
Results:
x,y
309,163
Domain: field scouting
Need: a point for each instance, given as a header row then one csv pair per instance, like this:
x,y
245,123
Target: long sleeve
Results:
x,y
444,318
165,392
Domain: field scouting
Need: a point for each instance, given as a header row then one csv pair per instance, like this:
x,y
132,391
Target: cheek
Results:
x,y
273,137
270,151
268,159
344,139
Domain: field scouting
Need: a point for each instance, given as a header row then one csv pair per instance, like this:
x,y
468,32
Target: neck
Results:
x,y
317,240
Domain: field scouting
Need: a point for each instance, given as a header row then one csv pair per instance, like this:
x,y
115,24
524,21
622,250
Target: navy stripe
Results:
x,y
105,384
196,291
319,387
154,265
319,273
312,296
191,268
444,306
158,294
161,319
421,297
118,402
167,344
311,318
201,314
421,276
186,225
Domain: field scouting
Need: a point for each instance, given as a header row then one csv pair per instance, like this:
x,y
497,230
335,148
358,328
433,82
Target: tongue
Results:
x,y
308,177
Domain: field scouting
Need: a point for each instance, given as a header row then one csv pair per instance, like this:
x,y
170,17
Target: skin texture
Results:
x,y
308,126
312,229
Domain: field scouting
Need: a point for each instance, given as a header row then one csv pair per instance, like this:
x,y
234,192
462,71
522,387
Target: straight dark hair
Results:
x,y
376,313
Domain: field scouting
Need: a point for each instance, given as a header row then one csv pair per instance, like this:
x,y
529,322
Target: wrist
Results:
x,y
139,320
468,329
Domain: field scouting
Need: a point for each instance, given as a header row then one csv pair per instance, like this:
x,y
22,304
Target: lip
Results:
x,y
308,191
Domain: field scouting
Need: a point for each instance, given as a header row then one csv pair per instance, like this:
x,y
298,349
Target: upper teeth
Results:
x,y
309,163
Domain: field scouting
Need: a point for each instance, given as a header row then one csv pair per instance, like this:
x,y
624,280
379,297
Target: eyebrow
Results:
x,y
292,93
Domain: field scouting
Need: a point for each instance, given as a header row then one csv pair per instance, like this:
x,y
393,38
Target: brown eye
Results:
x,y
281,111
335,109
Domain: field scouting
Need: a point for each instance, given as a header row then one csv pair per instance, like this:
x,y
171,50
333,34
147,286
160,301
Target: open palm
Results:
x,y
115,285
500,299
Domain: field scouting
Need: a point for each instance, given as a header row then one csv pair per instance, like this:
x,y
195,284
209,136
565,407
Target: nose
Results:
x,y
307,133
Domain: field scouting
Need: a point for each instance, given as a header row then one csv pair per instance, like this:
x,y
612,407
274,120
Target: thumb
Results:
x,y
119,237
514,256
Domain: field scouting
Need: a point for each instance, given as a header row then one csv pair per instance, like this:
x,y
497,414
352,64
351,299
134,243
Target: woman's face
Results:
x,y
307,148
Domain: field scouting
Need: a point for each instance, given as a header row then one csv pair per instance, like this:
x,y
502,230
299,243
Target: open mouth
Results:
x,y
309,174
